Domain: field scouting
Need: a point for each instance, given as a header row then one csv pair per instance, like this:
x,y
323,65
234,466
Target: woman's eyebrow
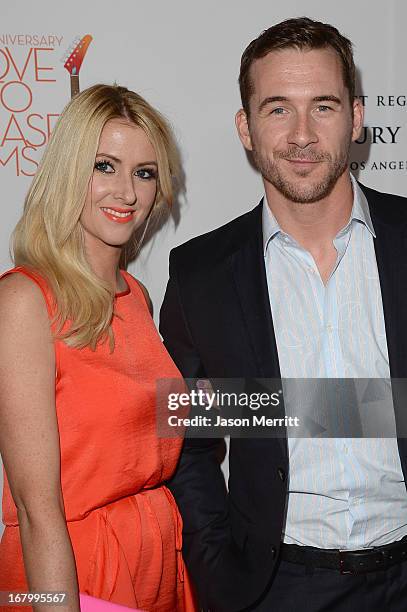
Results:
x,y
116,159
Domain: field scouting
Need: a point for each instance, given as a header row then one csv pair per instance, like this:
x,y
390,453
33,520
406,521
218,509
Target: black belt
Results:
x,y
347,562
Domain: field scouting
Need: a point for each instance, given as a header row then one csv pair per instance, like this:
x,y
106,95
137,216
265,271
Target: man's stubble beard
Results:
x,y
294,192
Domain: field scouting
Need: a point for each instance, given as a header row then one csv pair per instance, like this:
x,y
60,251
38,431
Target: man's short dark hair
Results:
x,y
298,33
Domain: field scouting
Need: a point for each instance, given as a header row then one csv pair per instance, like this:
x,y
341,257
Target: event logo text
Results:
x,y
24,128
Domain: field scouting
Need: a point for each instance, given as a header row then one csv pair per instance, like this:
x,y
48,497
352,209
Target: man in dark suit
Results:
x,y
312,283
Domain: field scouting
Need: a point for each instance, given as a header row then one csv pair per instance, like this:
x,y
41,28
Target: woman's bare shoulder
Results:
x,y
21,298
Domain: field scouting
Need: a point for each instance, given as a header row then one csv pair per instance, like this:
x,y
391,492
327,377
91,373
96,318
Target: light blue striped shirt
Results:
x,y
346,493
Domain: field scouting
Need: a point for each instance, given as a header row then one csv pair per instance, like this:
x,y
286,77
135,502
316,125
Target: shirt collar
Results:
x,y
360,213
360,210
269,223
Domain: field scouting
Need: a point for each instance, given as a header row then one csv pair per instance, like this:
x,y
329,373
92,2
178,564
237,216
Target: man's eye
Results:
x,y
146,173
278,111
323,108
104,166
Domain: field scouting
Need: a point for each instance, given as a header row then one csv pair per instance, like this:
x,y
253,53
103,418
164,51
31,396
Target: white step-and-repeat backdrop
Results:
x,y
184,58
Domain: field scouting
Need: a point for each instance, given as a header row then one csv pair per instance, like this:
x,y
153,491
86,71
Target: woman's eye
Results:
x,y
146,173
104,166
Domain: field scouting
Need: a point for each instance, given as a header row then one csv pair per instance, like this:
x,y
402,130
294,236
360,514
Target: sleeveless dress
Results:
x,y
123,522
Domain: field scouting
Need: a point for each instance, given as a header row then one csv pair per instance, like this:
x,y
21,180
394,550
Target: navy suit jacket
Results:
x,y
216,322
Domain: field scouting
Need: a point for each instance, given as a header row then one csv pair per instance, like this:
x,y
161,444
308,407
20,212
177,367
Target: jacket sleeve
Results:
x,y
218,566
198,484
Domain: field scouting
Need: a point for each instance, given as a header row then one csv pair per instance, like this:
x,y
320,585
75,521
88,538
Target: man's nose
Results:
x,y
302,132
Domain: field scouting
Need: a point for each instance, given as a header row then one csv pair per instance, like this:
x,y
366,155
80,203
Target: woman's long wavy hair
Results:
x,y
49,238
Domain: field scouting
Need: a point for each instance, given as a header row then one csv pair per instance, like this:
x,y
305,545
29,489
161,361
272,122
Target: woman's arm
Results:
x,y
29,439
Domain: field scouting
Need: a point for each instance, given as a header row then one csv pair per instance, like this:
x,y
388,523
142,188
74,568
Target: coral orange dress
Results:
x,y
123,522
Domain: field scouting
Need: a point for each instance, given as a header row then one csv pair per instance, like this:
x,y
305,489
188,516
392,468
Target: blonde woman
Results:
x,y
85,505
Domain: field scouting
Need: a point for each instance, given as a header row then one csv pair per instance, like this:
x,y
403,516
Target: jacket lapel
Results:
x,y
251,287
252,291
390,247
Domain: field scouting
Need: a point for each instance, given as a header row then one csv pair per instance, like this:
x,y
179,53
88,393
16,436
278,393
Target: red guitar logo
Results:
x,y
73,59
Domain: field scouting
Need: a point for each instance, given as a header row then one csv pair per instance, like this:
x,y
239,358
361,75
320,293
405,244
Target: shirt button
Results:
x,y
281,474
329,327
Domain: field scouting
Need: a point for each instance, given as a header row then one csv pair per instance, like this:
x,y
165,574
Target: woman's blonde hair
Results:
x,y
49,238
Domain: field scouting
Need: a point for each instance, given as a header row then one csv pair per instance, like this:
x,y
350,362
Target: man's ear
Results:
x,y
358,115
242,126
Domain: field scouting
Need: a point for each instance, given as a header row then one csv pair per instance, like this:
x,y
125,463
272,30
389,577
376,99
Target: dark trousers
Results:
x,y
296,588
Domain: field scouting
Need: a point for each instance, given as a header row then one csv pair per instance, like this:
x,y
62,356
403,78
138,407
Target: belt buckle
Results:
x,y
378,556
342,564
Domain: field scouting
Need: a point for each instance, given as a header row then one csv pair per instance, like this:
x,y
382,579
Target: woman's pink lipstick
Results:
x,y
115,218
